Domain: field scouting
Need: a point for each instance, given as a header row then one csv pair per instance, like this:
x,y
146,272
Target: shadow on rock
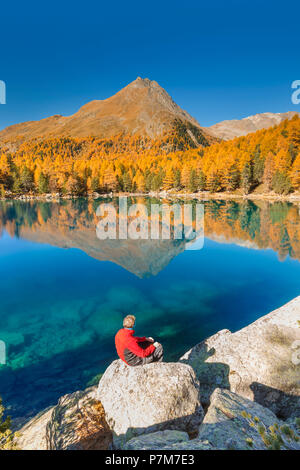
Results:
x,y
282,404
211,375
173,425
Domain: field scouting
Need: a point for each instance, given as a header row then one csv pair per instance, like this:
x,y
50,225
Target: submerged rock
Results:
x,y
259,362
145,399
76,423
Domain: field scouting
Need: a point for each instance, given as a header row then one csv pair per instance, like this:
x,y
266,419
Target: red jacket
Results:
x,y
129,349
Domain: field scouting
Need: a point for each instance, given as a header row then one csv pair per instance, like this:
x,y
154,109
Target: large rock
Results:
x,y
167,440
234,422
193,444
259,362
33,435
145,399
156,440
76,423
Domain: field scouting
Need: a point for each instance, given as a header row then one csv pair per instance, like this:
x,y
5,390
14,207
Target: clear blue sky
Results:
x,y
218,60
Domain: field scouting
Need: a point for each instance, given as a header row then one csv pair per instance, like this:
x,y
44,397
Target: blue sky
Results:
x,y
218,60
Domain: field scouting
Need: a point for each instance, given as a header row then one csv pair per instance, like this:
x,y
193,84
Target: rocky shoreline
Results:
x,y
231,391
201,195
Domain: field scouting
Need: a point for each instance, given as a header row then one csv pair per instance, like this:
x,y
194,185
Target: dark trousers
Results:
x,y
156,356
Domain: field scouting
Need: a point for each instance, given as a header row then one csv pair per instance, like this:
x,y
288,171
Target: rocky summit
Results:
x,y
141,108
237,127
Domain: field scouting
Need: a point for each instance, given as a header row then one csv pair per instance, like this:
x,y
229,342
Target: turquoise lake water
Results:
x,y
64,292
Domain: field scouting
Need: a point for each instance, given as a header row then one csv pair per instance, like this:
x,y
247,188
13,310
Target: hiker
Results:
x,y
135,351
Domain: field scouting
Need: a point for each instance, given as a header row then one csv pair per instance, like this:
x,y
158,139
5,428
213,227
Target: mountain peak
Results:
x,y
238,127
142,108
140,82
145,81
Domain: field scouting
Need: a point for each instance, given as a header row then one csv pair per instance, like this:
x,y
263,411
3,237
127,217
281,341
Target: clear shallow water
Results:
x,y
64,292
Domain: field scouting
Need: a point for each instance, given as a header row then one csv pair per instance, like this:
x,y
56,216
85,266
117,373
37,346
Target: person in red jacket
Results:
x,y
135,351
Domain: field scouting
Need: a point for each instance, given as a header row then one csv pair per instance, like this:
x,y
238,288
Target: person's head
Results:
x,y
129,321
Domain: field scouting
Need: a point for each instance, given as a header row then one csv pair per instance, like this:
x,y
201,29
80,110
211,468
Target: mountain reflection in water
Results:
x,y
72,224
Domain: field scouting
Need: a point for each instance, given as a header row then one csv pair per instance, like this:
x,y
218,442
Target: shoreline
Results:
x,y
203,195
224,380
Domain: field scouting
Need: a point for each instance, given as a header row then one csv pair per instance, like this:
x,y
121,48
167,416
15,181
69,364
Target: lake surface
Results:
x,y
64,292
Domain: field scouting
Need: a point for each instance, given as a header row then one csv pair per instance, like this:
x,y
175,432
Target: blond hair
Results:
x,y
129,321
